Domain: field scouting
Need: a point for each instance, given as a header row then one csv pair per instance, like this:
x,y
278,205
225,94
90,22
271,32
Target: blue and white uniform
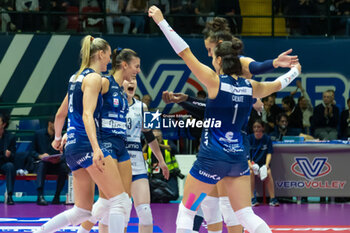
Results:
x,y
222,152
78,148
133,141
113,121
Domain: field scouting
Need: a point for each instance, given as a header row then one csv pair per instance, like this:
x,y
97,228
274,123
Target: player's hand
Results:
x,y
98,160
56,144
63,142
298,66
156,14
285,60
258,106
165,170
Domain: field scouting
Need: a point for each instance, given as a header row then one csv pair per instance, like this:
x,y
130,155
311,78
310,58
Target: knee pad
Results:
x,y
99,209
227,212
210,210
185,218
249,220
77,215
128,208
145,215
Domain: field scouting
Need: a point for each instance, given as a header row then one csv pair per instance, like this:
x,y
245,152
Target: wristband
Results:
x,y
174,39
58,138
287,78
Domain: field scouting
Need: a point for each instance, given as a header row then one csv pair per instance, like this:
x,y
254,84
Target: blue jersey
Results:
x,y
78,140
114,110
232,107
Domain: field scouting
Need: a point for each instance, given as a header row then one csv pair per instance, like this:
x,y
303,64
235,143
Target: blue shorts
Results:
x,y
212,171
80,160
139,176
115,146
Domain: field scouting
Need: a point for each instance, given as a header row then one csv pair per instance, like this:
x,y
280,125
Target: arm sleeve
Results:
x,y
261,67
194,106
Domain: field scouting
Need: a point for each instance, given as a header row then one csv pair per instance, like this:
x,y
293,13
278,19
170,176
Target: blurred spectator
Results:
x,y
205,9
91,23
54,22
116,7
345,123
325,118
260,155
25,21
136,96
183,24
344,10
295,116
164,5
7,155
202,95
42,149
320,26
139,8
231,11
7,20
169,150
282,129
147,99
269,113
305,106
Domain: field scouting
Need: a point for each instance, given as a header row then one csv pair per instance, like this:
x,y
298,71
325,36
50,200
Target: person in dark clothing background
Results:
x,y
7,155
168,149
42,149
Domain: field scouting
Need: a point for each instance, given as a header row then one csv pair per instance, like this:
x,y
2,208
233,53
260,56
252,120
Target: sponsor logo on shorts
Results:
x,y
210,176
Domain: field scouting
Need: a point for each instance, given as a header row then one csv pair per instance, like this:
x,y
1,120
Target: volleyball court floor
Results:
x,y
287,218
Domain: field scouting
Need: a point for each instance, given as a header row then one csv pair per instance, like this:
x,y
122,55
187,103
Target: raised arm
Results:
x,y
262,89
204,74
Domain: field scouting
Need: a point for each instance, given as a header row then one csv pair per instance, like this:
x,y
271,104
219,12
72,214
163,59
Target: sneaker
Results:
x,y
255,202
274,202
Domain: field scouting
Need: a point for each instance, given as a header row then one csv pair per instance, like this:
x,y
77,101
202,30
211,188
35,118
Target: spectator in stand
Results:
x,y
326,117
7,20
282,129
183,8
138,9
115,7
305,106
147,99
295,116
260,155
28,22
344,10
54,22
345,123
41,152
205,9
7,155
320,26
231,11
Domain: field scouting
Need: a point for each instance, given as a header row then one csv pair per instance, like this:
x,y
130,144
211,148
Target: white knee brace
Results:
x,y
117,213
251,221
77,215
145,215
185,218
128,208
99,209
227,212
210,210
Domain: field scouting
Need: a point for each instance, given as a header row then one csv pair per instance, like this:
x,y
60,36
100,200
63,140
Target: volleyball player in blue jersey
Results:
x,y
84,156
221,154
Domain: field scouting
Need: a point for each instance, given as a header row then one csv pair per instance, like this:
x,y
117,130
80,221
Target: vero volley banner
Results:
x,y
36,68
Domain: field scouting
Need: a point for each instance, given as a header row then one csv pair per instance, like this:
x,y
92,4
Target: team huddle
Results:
x,y
103,140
